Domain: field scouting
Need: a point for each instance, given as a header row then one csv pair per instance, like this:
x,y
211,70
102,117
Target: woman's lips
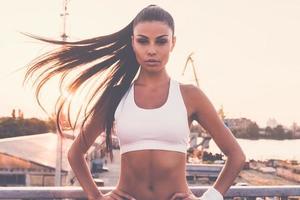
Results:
x,y
152,62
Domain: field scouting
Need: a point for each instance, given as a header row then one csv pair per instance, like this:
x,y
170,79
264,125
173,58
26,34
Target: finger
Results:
x,y
179,195
123,194
115,196
110,198
191,198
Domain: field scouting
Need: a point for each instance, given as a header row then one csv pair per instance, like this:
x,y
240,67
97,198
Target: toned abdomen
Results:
x,y
153,174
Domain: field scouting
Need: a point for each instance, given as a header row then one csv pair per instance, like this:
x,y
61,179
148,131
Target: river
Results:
x,y
266,149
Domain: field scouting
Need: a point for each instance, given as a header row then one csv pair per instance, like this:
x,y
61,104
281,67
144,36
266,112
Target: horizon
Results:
x,y
45,118
245,53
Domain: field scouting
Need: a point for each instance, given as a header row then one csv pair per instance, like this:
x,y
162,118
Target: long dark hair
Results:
x,y
111,56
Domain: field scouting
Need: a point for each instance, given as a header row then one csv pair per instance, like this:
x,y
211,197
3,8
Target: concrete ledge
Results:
x,y
77,192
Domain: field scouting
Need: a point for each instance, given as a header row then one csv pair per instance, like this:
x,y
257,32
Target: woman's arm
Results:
x,y
208,118
77,159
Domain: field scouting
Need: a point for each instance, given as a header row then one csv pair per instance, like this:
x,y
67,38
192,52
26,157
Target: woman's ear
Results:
x,y
173,42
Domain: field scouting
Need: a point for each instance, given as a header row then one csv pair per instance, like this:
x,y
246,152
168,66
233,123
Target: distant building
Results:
x,y
272,123
31,160
238,126
296,134
296,130
262,132
238,123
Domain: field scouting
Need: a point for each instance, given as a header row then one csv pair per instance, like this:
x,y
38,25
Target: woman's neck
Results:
x,y
145,78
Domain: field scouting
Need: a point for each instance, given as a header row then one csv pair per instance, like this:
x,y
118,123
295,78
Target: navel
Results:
x,y
151,187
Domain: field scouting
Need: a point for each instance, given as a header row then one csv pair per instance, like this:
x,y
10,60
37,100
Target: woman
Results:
x,y
151,114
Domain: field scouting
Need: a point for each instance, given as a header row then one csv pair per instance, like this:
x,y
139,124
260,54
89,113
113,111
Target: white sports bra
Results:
x,y
163,128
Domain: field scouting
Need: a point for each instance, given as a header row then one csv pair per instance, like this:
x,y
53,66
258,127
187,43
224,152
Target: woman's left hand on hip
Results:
x,y
184,196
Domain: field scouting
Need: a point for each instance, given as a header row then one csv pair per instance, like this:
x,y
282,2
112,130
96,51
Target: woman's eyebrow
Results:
x,y
143,36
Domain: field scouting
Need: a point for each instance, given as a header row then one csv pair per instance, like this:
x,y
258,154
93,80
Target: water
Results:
x,y
266,149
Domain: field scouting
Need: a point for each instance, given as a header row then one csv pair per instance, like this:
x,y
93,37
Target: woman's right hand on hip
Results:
x,y
116,194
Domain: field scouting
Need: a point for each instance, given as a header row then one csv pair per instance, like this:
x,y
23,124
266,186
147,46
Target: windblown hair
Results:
x,y
109,60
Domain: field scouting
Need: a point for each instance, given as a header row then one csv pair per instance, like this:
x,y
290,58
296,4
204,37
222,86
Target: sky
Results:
x,y
246,53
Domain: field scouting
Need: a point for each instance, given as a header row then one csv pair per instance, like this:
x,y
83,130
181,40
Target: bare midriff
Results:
x,y
153,174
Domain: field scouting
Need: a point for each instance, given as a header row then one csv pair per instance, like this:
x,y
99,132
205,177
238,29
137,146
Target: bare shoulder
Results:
x,y
191,92
191,95
197,101
186,87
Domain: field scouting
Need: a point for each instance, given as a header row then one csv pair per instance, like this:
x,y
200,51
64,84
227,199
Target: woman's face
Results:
x,y
152,43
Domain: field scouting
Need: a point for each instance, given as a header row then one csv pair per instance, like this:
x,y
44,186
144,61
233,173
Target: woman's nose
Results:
x,y
151,50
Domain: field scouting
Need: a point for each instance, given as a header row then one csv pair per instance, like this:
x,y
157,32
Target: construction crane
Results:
x,y
190,60
205,136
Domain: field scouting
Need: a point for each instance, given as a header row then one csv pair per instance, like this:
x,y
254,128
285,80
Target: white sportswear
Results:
x,y
163,128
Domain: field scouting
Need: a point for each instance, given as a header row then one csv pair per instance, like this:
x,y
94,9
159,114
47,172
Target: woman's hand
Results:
x,y
210,194
184,196
116,194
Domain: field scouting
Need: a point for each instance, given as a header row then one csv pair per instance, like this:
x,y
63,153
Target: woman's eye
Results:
x,y
162,41
142,41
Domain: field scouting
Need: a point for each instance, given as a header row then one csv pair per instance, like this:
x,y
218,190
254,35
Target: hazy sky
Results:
x,y
246,52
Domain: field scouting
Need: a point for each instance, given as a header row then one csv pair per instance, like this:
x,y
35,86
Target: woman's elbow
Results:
x,y
72,153
238,156
241,158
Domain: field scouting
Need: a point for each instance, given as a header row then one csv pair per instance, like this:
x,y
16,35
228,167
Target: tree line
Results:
x,y
253,131
13,126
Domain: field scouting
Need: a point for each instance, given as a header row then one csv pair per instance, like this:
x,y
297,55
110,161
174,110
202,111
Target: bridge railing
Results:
x,y
291,192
